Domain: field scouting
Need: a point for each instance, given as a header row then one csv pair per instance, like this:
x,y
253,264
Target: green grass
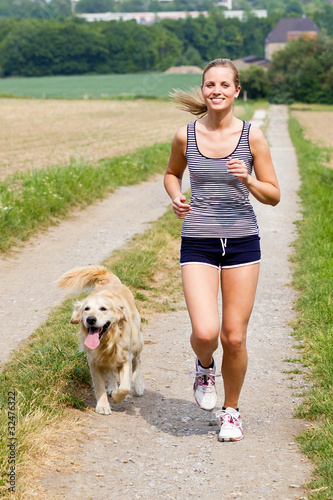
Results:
x,y
97,86
29,201
313,276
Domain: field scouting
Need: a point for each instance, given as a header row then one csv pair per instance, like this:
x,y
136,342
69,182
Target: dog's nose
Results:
x,y
91,320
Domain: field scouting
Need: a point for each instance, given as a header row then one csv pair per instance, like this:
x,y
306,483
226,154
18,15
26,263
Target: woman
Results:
x,y
220,236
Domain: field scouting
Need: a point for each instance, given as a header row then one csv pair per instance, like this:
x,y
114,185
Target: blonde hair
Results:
x,y
192,101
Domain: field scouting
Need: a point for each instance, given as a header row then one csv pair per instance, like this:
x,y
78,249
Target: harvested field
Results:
x,y
41,133
317,125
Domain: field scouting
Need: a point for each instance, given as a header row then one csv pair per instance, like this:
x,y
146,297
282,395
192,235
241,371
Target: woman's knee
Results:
x,y
233,342
206,337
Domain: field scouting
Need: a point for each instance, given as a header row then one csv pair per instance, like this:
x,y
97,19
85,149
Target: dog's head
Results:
x,y
97,313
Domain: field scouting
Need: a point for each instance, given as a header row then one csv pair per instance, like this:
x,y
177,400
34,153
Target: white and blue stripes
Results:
x,y
220,202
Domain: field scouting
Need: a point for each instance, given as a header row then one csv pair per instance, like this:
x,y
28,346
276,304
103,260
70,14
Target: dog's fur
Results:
x,y
110,312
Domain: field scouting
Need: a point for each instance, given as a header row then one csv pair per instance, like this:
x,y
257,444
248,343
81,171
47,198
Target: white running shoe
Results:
x,y
231,425
204,387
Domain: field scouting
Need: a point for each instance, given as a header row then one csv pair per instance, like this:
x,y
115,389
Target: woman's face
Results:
x,y
218,89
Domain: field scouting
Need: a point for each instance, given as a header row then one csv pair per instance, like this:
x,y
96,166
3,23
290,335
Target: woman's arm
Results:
x,y
264,187
174,173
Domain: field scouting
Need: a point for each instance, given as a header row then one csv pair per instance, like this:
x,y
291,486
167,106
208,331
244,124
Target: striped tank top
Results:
x,y
220,205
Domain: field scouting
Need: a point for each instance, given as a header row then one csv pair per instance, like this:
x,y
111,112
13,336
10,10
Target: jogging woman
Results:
x,y
220,237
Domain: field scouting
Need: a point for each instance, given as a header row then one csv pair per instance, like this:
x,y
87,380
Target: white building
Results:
x,y
152,17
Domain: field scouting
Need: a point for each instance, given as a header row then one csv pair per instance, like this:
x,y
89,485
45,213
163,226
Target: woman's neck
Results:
x,y
222,120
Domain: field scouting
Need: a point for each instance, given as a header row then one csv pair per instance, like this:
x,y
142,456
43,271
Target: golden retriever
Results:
x,y
110,333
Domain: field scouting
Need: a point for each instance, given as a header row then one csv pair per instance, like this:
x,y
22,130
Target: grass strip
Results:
x,y
30,201
48,375
298,106
313,276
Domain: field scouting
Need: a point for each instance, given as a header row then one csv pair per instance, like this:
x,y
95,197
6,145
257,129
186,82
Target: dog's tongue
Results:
x,y
92,341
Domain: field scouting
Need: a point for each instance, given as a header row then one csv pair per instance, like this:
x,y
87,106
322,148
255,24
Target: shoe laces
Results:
x,y
232,418
205,379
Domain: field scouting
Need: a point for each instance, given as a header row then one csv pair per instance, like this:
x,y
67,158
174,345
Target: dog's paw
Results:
x,y
119,395
138,386
103,410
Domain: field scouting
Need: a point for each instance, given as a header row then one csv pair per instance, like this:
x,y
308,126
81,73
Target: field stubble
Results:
x,y
40,133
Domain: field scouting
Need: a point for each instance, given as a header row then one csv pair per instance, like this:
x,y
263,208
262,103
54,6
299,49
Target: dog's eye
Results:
x,y
87,308
102,309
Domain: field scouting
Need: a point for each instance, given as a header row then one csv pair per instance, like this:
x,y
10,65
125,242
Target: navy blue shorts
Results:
x,y
224,252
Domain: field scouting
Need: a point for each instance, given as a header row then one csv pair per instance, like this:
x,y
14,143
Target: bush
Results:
x,y
303,71
255,82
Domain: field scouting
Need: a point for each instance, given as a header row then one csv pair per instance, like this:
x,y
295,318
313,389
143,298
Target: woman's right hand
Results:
x,y
179,206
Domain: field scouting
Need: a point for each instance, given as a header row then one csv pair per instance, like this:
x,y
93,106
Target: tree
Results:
x,y
324,19
40,9
88,6
303,71
169,47
294,7
255,82
130,47
37,48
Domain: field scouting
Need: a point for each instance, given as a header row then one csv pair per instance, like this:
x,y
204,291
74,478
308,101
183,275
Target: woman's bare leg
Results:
x,y
201,284
238,292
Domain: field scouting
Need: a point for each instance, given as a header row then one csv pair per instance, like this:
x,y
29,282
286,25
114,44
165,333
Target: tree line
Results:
x,y
38,47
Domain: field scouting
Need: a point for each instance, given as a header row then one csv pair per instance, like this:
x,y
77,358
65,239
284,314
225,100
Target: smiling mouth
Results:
x,y
92,330
95,334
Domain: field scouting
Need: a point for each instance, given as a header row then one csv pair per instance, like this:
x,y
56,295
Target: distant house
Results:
x,y
287,29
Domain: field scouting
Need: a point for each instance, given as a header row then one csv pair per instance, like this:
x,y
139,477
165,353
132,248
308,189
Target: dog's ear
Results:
x,y
77,313
121,314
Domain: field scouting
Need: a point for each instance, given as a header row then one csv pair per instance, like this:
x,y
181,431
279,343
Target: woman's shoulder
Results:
x,y
181,135
256,134
257,139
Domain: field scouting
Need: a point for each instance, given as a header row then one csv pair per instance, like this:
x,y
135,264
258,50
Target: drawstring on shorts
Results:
x,y
224,245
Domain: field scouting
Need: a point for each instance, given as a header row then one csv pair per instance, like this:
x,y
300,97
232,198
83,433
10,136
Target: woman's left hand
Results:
x,y
238,169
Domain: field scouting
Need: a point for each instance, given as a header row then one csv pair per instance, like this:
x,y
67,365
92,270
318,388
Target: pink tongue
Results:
x,y
92,341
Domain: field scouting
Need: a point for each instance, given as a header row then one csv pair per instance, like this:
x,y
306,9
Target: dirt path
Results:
x,y
162,445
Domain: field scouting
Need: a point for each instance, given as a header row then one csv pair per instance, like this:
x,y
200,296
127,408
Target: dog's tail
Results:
x,y
86,277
